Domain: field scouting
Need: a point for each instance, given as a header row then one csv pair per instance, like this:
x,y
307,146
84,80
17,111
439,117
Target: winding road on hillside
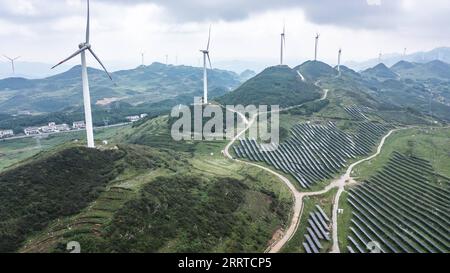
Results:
x,y
339,183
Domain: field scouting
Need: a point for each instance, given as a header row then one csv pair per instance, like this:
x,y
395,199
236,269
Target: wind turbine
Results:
x,y
316,46
12,60
143,58
339,60
205,72
84,75
379,57
283,45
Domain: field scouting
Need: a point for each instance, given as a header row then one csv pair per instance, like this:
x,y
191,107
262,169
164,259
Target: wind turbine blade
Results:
x,y
88,24
100,62
71,56
209,39
16,58
7,57
209,59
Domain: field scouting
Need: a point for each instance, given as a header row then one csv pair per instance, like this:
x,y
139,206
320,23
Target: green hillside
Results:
x,y
315,70
145,84
164,191
277,85
31,199
417,71
64,182
380,72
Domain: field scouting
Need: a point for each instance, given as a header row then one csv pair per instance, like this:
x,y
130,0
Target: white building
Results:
x,y
133,118
62,127
79,125
6,133
144,115
32,131
48,129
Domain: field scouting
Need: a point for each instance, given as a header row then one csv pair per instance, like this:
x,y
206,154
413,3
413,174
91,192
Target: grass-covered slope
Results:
x,y
315,70
61,184
191,213
277,85
167,197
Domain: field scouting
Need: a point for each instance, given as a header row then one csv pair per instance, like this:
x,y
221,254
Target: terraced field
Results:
x,y
405,207
315,152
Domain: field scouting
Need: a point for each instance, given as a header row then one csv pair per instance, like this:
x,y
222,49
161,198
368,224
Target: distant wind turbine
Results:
x,y
84,75
205,72
12,60
380,56
283,45
143,58
339,60
404,52
316,46
167,59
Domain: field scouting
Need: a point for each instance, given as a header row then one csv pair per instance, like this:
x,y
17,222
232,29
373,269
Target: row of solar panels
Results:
x,y
401,210
317,232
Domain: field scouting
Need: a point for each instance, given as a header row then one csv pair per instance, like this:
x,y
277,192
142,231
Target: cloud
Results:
x,y
351,13
354,13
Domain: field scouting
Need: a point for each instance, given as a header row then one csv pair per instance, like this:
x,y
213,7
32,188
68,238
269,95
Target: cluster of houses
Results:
x,y
52,127
136,118
6,133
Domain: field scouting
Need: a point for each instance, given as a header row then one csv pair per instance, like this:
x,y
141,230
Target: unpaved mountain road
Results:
x,y
298,196
339,183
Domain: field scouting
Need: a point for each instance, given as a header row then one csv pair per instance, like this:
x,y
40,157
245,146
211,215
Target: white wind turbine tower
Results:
x,y
316,46
84,75
283,45
339,61
12,60
380,56
143,58
205,72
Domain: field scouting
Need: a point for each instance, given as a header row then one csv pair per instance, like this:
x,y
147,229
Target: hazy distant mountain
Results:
x,y
380,72
441,54
431,70
30,70
247,74
144,84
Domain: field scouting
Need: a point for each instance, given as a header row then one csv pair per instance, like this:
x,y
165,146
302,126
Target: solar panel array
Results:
x,y
317,232
404,208
358,112
315,152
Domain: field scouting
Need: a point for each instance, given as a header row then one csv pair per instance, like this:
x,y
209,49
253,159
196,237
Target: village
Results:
x,y
52,127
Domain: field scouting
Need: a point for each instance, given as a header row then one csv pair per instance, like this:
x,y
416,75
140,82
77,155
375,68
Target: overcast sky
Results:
x,y
244,30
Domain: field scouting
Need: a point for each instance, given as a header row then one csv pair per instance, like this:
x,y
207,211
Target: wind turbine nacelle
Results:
x,y
80,46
